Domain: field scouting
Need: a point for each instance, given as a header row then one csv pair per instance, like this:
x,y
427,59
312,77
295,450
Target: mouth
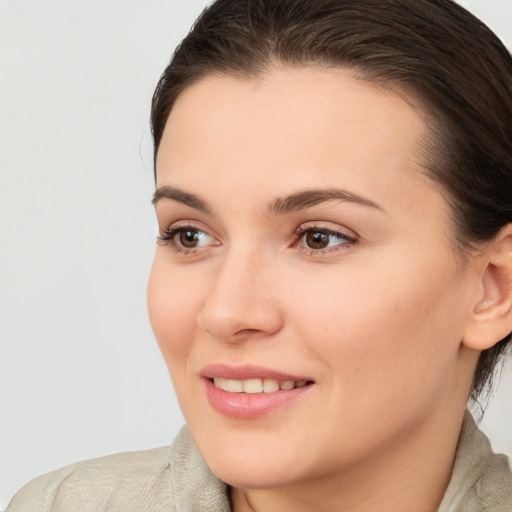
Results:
x,y
250,392
257,385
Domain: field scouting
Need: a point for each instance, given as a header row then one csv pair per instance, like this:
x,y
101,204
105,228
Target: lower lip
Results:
x,y
248,406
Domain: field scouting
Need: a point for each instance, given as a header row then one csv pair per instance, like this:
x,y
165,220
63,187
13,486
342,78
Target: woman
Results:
x,y
333,277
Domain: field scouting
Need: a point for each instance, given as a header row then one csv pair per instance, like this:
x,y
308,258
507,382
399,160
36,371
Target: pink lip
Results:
x,y
249,405
247,372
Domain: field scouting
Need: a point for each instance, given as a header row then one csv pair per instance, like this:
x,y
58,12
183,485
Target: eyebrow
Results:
x,y
279,206
308,198
180,196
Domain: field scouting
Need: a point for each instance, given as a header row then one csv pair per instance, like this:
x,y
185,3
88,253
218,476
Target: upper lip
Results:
x,y
246,372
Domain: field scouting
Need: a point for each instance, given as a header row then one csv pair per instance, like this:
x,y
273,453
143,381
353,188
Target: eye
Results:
x,y
191,238
186,238
318,240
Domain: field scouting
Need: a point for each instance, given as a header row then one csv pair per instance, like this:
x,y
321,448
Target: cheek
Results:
x,y
381,329
387,344
173,308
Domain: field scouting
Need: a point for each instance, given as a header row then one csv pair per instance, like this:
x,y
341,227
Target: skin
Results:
x,y
378,323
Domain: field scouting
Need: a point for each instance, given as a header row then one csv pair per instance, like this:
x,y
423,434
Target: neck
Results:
x,y
411,474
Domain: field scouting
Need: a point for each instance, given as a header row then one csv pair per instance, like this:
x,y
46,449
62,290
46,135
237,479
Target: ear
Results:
x,y
491,319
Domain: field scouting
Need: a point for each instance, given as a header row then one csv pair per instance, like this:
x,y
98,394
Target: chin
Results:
x,y
250,461
254,476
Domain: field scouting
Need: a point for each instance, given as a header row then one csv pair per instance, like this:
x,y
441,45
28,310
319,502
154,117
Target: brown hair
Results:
x,y
433,50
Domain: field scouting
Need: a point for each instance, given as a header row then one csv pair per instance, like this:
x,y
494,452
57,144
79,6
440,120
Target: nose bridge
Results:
x,y
240,302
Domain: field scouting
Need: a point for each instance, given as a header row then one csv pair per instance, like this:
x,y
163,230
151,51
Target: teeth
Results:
x,y
270,385
287,384
256,385
235,386
252,385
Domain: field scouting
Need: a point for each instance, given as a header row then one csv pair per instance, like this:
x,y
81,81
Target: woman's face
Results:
x,y
304,243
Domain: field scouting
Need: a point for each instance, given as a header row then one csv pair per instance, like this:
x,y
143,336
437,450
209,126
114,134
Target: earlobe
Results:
x,y
491,319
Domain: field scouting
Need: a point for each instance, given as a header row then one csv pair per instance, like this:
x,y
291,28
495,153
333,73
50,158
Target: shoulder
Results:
x,y
481,480
114,479
164,479
492,490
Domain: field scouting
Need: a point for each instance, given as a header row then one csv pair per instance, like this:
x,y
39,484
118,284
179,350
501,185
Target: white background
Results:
x,y
80,373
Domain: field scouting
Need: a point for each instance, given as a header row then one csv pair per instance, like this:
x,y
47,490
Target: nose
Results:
x,y
241,302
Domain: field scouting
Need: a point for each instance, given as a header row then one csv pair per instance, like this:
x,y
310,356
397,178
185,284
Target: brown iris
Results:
x,y
188,238
317,240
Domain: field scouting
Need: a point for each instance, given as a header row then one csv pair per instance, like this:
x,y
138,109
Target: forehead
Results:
x,y
292,103
287,121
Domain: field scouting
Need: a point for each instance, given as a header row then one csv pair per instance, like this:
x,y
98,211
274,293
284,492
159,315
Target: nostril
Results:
x,y
248,332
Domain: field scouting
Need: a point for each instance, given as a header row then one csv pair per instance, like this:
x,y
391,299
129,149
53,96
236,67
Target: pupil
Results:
x,y
188,238
317,240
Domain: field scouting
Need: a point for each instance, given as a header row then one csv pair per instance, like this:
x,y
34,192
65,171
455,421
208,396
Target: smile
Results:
x,y
251,392
256,385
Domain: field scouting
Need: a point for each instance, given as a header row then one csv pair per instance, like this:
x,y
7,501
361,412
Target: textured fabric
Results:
x,y
178,480
481,480
170,480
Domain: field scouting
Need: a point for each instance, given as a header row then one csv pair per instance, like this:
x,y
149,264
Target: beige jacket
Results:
x,y
178,480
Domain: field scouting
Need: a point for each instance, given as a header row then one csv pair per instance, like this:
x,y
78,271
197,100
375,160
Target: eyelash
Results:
x,y
346,241
170,234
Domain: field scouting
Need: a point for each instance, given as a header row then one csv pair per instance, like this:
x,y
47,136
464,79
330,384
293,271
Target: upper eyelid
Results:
x,y
172,230
300,233
325,229
328,226
185,223
195,225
